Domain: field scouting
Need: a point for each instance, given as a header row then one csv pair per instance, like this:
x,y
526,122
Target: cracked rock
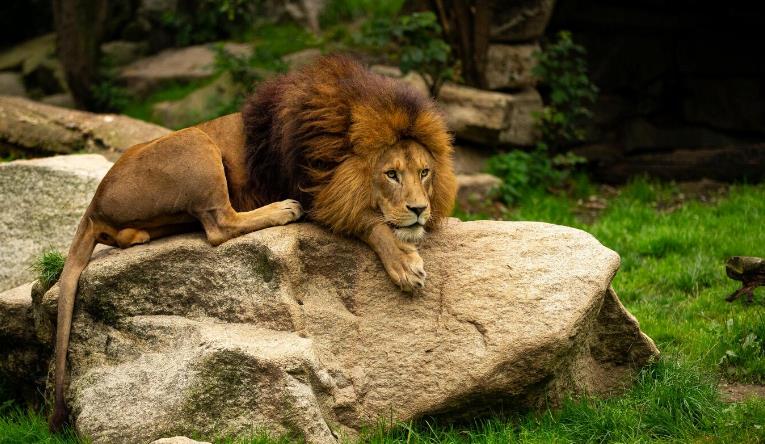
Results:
x,y
299,332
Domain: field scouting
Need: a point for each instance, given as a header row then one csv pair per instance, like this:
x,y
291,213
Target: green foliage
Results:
x,y
524,172
204,21
742,348
414,42
337,11
562,68
49,266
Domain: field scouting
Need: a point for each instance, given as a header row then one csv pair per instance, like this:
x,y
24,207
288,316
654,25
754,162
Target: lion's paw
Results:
x,y
286,211
407,271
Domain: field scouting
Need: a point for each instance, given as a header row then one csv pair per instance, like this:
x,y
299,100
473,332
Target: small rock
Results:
x,y
301,58
63,100
11,84
486,117
198,105
180,64
509,66
475,187
122,52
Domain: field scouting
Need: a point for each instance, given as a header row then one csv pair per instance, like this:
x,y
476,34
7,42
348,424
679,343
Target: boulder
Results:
x,y
519,21
178,440
475,187
11,84
43,200
28,53
178,64
295,331
484,117
509,66
122,52
35,128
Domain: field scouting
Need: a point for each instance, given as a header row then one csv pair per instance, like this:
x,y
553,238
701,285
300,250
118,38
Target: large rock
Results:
x,y
485,117
510,66
296,331
36,128
42,202
178,64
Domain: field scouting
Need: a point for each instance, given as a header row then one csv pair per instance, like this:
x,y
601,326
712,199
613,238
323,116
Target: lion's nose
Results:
x,y
417,210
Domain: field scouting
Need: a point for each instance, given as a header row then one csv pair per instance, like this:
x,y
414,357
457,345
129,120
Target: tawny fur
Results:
x,y
367,156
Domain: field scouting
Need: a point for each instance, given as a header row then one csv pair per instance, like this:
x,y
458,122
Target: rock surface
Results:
x,y
180,64
42,202
519,21
484,117
23,360
510,66
11,84
475,187
37,128
296,331
193,108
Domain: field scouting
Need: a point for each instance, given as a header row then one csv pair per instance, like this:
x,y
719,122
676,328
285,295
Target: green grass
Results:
x,y
49,266
672,278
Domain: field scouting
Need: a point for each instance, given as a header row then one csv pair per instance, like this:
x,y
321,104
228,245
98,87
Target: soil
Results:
x,y
736,392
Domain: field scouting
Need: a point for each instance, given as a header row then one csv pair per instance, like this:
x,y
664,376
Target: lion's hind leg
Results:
x,y
221,225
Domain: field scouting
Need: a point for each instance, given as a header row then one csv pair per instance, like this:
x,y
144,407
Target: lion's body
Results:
x,y
366,156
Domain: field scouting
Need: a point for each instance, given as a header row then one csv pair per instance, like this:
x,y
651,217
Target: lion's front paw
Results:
x,y
406,270
286,211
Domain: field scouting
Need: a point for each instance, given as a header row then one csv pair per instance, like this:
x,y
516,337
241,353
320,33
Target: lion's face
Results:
x,y
402,187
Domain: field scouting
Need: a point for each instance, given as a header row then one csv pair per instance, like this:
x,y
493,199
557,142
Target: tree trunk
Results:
x,y
79,29
466,25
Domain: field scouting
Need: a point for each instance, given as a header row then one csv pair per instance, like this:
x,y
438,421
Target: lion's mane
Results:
x,y
314,134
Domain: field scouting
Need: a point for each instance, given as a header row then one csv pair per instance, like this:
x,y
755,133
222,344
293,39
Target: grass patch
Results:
x,y
49,266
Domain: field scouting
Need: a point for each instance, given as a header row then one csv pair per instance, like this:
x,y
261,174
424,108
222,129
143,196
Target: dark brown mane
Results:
x,y
301,126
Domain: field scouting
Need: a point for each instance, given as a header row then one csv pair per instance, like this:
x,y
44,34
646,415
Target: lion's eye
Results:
x,y
392,174
424,173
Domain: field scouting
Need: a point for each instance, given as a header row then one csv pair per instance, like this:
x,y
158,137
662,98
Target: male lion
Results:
x,y
366,155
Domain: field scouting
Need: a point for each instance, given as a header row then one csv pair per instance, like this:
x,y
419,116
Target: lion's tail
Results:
x,y
79,254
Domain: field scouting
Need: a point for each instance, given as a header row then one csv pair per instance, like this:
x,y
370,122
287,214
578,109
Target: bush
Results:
x,y
562,68
414,42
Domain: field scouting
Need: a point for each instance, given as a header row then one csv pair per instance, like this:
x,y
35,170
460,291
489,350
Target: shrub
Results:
x,y
562,68
414,42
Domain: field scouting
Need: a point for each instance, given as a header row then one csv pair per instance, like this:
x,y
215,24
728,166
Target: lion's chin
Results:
x,y
411,234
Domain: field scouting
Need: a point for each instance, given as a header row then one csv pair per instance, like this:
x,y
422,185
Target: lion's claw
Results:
x,y
407,271
287,211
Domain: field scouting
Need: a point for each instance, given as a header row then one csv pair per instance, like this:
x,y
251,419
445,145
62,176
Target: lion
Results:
x,y
366,156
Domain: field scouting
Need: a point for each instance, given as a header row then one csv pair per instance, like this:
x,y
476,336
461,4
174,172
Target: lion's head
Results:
x,y
354,147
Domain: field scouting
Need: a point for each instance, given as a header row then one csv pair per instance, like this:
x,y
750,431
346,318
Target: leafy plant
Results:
x,y
524,172
562,68
49,267
414,42
209,20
